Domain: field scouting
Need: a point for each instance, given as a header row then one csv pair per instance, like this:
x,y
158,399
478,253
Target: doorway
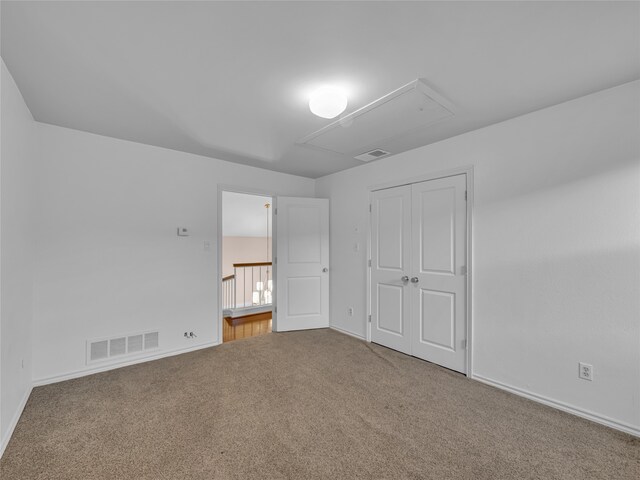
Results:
x,y
246,253
419,284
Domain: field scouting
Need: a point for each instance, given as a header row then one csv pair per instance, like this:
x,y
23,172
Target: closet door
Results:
x,y
438,278
390,267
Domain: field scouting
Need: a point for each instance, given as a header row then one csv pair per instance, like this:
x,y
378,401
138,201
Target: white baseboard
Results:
x,y
112,366
14,421
347,332
565,407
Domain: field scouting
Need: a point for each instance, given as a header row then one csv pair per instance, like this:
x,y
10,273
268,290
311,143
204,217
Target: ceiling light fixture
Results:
x,y
328,102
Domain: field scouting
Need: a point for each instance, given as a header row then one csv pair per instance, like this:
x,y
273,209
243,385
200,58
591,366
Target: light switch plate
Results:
x,y
183,232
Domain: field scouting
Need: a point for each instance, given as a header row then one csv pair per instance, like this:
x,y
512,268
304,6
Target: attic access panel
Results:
x,y
398,113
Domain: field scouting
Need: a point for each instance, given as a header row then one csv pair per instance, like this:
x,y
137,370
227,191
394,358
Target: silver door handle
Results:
x,y
405,279
414,280
325,270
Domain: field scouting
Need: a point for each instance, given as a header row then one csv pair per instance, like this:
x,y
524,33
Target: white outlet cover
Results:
x,y
585,371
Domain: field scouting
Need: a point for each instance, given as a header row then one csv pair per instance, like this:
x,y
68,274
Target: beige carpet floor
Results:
x,y
302,405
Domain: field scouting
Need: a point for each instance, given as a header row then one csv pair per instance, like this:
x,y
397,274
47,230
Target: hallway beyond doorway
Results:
x,y
245,327
247,271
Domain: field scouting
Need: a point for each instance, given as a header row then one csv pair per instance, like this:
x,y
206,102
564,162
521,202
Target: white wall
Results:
x,y
556,249
109,260
243,250
17,155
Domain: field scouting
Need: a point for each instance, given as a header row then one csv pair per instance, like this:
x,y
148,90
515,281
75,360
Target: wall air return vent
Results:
x,y
134,342
121,347
99,350
372,155
150,340
385,124
117,346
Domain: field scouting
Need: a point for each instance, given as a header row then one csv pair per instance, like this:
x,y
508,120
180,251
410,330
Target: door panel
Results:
x,y
304,296
437,230
437,319
302,262
391,309
390,245
438,287
390,260
304,223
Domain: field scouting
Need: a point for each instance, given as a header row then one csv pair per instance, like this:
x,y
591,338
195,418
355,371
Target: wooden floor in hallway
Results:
x,y
244,327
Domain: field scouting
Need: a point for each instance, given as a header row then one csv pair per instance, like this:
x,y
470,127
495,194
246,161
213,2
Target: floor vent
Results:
x,y
110,348
372,155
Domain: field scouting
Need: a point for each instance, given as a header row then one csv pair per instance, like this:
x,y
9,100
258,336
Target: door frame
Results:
x,y
468,171
248,191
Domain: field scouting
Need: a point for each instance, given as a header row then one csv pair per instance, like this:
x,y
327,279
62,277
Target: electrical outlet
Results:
x,y
586,371
350,311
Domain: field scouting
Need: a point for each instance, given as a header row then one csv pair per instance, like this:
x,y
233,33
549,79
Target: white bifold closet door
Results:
x,y
418,270
302,263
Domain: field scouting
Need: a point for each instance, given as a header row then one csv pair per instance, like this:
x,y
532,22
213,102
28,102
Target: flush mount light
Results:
x,y
328,102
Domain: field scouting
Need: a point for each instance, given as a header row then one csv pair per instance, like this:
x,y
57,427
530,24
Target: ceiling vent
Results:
x,y
388,120
121,346
372,155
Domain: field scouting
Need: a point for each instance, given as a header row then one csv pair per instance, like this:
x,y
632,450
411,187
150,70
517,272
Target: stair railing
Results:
x,y
250,285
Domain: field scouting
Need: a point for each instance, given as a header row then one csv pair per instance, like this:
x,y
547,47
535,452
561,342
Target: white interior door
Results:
x,y
438,279
302,263
390,267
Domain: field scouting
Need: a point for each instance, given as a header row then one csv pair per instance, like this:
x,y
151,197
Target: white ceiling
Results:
x,y
244,215
230,79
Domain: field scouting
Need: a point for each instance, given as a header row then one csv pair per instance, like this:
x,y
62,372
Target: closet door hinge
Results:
x,y
370,208
465,195
369,262
464,344
275,210
369,318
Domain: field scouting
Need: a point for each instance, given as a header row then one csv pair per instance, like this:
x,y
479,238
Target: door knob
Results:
x,y
414,280
405,279
325,270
